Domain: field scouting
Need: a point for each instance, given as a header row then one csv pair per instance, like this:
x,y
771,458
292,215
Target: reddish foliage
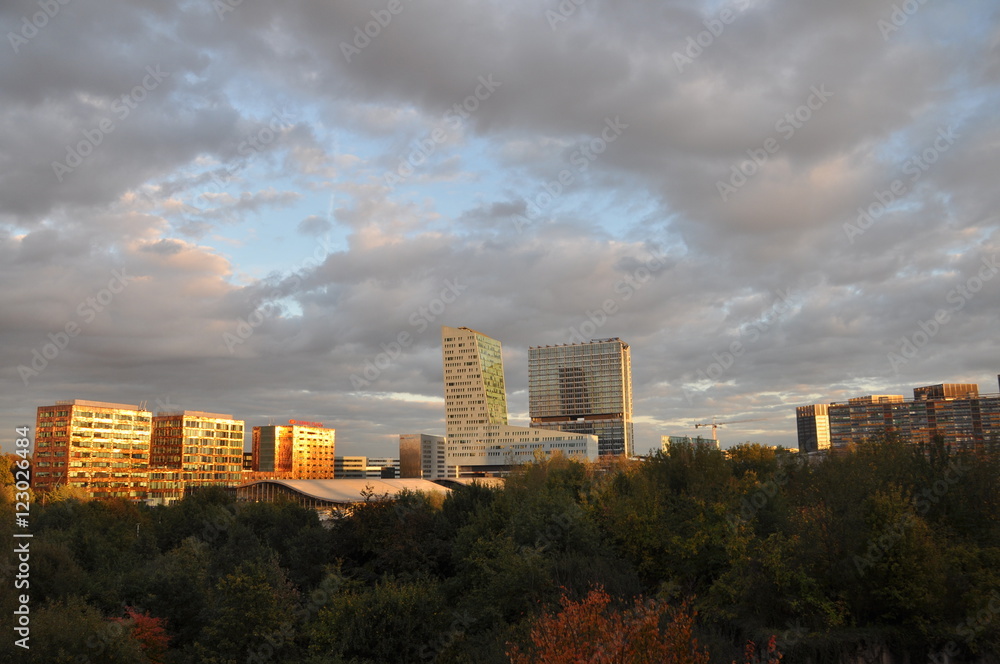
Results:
x,y
771,656
588,631
149,632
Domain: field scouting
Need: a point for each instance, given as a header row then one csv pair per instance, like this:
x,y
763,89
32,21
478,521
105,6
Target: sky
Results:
x,y
269,208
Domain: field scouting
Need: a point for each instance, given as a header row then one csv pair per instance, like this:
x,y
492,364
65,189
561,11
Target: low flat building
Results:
x,y
360,467
336,495
667,441
387,467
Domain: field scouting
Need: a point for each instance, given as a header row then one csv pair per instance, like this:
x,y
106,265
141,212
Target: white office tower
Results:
x,y
479,440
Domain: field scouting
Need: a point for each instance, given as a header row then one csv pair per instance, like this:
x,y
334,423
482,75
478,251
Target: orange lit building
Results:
x,y
192,449
298,450
101,448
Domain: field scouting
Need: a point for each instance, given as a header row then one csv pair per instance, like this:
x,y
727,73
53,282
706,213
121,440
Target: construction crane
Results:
x,y
715,425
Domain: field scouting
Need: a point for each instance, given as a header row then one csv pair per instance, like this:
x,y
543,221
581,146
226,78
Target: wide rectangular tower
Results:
x,y
584,388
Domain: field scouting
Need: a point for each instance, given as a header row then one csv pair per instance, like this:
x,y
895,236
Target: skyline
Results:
x,y
160,413
247,208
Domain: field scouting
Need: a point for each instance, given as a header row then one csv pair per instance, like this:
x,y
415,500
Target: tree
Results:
x,y
393,622
70,631
771,655
176,586
8,465
251,616
590,631
149,632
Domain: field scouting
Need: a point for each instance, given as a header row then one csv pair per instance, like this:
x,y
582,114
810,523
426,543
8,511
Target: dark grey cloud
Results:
x,y
314,225
773,265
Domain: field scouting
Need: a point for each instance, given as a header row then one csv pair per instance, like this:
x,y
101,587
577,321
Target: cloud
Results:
x,y
520,218
314,225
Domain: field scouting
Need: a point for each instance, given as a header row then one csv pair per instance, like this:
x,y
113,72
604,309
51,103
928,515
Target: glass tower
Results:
x,y
584,388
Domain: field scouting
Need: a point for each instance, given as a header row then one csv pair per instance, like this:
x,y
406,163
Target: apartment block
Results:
x,y
192,449
299,450
953,412
101,448
479,439
584,388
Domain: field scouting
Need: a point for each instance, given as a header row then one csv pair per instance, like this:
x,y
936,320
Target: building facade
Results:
x,y
667,441
298,450
422,456
479,439
584,388
388,467
98,447
192,449
954,412
361,467
813,426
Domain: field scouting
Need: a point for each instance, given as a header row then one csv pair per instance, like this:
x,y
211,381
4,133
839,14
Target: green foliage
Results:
x,y
70,631
892,546
176,586
250,612
8,463
390,622
397,537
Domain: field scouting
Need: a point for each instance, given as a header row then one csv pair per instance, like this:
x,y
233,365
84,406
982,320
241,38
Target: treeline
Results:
x,y
892,548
